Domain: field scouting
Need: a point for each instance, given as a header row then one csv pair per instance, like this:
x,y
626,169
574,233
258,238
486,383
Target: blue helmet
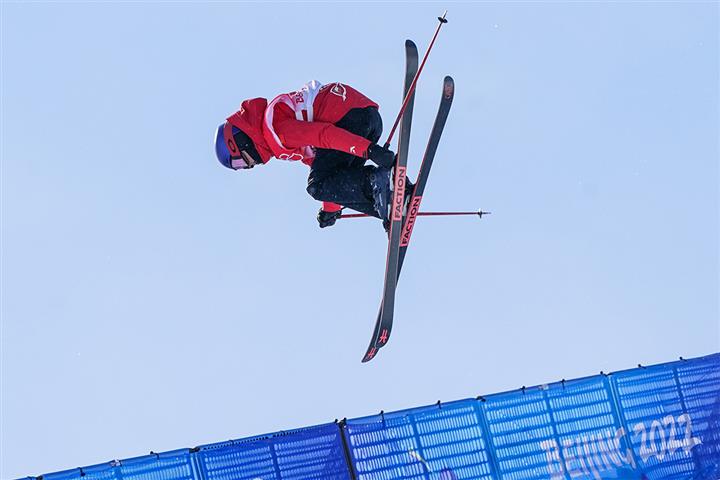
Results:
x,y
232,143
221,149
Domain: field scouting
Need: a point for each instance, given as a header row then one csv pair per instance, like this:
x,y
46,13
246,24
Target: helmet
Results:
x,y
221,149
234,149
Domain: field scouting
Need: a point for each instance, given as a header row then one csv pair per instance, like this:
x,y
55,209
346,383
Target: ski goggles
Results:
x,y
240,159
242,162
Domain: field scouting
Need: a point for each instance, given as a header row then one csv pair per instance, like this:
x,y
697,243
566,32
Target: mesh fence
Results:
x,y
651,423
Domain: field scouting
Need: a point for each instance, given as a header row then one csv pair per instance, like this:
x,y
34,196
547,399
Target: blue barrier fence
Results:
x,y
655,423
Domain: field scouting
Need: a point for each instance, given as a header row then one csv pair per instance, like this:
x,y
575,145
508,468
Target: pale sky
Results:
x,y
153,300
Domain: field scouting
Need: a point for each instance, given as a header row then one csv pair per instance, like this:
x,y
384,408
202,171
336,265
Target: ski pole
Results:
x,y
414,82
479,213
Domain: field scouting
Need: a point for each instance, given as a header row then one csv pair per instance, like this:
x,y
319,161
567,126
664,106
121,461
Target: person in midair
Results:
x,y
332,128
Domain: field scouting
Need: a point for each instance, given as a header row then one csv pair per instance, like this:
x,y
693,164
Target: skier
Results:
x,y
333,128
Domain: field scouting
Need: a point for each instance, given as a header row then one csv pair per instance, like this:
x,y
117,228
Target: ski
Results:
x,y
381,330
413,210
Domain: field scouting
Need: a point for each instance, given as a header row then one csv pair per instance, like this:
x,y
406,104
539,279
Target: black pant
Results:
x,y
343,178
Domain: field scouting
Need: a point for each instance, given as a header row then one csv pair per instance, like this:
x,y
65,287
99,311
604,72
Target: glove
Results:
x,y
327,219
382,156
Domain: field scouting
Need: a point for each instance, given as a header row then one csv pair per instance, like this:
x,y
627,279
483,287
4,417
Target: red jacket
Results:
x,y
293,124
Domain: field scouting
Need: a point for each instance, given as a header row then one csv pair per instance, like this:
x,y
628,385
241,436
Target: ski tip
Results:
x,y
410,44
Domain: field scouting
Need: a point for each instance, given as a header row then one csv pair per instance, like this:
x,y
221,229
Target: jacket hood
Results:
x,y
249,119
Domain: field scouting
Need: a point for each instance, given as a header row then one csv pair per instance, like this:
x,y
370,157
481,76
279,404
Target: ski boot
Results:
x,y
382,182
382,193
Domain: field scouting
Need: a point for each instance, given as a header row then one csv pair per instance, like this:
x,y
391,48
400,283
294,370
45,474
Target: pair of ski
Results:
x,y
402,222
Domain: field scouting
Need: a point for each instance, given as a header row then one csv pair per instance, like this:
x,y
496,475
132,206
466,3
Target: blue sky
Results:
x,y
153,300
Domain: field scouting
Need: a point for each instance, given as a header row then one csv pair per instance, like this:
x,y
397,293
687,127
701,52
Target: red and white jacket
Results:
x,y
293,124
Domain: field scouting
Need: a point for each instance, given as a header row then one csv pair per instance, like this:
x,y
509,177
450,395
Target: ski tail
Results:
x,y
383,325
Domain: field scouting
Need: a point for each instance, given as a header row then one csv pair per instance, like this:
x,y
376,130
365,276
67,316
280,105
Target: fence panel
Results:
x,y
313,453
700,387
173,465
441,442
667,410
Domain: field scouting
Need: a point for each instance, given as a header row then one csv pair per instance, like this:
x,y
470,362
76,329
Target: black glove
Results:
x,y
327,219
382,156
